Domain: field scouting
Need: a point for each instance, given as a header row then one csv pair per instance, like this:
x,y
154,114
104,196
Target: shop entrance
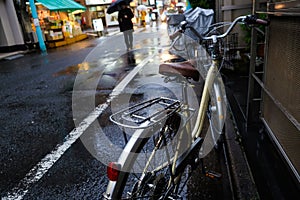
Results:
x,y
59,27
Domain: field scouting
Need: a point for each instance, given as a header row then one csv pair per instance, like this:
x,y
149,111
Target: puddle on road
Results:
x,y
91,45
74,69
108,62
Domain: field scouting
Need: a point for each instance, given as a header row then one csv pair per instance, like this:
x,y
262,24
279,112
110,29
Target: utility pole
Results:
x,y
37,26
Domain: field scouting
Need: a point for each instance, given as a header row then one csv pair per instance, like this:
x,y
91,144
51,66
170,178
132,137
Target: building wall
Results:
x,y
10,30
228,10
281,96
234,8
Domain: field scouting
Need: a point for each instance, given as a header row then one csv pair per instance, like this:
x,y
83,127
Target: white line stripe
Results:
x,y
48,161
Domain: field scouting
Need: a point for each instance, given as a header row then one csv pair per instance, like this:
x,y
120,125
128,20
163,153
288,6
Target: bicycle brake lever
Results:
x,y
183,25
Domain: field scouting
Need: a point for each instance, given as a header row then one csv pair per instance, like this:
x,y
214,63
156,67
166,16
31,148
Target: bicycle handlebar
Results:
x,y
248,19
252,19
175,34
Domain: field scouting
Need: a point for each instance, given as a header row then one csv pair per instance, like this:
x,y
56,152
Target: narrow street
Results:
x,y
44,97
61,128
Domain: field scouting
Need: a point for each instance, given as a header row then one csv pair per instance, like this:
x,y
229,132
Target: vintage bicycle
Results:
x,y
171,137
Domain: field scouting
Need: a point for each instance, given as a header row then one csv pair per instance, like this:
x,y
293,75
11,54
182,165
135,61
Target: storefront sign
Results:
x,y
97,2
152,2
98,25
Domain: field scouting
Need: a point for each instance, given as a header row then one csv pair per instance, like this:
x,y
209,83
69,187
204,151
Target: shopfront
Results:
x,y
96,9
60,21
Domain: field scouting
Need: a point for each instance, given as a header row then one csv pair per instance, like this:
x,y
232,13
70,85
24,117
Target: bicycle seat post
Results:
x,y
184,83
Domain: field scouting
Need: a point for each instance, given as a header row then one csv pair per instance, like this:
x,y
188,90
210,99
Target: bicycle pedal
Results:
x,y
213,175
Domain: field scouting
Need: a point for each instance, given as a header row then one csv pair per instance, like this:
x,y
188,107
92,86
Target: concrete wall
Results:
x,y
234,8
10,30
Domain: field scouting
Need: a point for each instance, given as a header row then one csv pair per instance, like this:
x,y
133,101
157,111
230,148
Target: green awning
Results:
x,y
61,5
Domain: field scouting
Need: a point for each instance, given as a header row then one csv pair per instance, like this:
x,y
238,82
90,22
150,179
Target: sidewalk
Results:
x,y
12,55
111,31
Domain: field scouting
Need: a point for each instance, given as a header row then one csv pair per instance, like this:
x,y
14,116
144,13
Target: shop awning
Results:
x,y
61,5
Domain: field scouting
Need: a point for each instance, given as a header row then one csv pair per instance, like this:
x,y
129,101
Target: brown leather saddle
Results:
x,y
185,69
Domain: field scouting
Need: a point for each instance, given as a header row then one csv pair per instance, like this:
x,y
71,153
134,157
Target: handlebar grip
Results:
x,y
175,34
252,19
262,22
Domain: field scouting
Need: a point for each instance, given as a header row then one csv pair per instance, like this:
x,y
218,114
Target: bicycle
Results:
x,y
171,141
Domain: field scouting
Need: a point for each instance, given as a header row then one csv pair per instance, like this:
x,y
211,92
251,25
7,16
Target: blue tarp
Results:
x,y
61,5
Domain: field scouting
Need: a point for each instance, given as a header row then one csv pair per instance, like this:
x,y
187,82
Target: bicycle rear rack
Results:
x,y
146,114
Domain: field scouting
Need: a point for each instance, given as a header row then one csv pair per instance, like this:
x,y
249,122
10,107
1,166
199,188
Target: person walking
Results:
x,y
143,18
126,26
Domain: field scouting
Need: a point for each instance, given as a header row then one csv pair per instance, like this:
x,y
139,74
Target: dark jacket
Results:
x,y
124,19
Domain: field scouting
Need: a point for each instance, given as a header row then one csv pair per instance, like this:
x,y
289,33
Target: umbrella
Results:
x,y
115,6
180,4
141,7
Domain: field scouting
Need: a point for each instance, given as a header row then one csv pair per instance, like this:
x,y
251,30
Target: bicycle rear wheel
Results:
x,y
146,171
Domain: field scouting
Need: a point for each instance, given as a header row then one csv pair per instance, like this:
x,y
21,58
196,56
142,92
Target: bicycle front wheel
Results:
x,y
146,163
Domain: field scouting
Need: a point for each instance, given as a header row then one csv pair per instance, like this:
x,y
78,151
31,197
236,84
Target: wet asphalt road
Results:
x,y
37,114
36,111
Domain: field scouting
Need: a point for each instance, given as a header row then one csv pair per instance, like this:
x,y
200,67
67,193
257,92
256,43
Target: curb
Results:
x,y
240,174
13,55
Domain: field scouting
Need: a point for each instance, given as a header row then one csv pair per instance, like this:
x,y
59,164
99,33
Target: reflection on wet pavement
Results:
x,y
97,79
73,70
148,42
126,60
91,45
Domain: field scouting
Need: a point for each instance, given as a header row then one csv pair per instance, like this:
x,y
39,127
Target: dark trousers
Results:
x,y
128,37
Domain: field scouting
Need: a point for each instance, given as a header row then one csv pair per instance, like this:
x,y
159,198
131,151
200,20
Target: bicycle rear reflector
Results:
x,y
113,170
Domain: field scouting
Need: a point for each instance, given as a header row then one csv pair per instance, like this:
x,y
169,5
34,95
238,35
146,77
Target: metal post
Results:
x,y
250,113
37,26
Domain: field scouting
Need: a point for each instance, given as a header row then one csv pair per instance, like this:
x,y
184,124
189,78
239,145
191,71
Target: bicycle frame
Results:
x,y
213,90
139,134
205,97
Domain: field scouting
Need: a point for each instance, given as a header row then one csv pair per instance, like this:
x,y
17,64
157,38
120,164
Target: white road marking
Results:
x,y
37,172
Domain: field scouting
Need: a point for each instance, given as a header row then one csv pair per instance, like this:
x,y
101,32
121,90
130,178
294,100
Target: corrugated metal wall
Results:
x,y
281,109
